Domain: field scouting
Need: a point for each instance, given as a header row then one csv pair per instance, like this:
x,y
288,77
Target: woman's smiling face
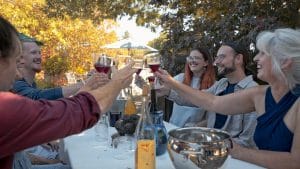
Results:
x,y
196,61
264,66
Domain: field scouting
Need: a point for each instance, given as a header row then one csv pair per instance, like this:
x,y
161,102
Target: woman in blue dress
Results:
x,y
277,133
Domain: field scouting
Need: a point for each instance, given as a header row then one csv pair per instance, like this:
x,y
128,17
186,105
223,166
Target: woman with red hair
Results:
x,y
199,73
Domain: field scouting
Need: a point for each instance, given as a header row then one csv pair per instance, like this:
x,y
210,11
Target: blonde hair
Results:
x,y
280,45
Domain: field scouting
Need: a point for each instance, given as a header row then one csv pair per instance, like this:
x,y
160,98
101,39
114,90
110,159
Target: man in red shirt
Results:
x,y
25,122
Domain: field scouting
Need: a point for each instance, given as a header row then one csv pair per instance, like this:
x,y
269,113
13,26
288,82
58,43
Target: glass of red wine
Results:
x,y
103,64
153,61
151,79
139,65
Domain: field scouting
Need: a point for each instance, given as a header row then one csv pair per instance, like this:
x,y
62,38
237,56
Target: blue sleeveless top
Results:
x,y
271,133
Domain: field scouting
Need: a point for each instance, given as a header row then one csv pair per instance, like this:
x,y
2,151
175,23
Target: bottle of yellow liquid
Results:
x,y
145,146
129,107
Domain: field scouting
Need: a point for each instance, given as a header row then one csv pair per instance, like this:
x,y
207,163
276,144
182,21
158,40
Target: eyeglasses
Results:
x,y
193,58
219,58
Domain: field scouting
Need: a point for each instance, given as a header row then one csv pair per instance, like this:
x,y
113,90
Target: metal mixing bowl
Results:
x,y
198,147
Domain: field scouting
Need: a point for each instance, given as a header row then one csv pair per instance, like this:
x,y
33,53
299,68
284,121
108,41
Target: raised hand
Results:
x,y
124,75
95,80
164,91
165,78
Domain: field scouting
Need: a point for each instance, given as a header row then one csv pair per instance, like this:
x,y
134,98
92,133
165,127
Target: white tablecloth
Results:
x,y
81,152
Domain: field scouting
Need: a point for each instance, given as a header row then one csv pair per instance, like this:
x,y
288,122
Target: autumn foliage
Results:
x,y
68,43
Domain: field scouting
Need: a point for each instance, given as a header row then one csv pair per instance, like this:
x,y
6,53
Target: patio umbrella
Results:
x,y
129,44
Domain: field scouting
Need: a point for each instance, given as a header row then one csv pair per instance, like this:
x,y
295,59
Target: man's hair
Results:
x,y
25,38
8,44
240,48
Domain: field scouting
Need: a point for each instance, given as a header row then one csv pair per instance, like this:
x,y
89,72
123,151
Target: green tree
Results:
x,y
209,23
187,23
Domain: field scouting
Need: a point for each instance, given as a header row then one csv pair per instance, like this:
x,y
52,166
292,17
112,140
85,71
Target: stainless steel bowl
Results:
x,y
198,147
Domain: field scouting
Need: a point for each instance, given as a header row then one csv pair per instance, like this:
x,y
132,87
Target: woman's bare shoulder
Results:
x,y
258,90
262,88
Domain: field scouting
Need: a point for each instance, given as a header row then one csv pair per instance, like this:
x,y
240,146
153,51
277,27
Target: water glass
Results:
x,y
124,147
101,130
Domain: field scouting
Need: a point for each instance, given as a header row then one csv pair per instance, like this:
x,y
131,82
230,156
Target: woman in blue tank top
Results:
x,y
277,133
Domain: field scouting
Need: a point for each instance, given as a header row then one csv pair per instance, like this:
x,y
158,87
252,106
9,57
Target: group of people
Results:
x,y
26,122
231,63
262,120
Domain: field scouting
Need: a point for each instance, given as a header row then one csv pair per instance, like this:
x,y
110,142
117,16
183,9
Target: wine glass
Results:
x,y
139,65
123,147
153,61
151,79
103,64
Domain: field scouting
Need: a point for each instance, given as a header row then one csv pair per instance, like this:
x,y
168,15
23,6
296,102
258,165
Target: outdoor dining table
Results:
x,y
81,153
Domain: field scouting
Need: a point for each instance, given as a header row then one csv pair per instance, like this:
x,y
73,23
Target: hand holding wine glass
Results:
x,y
165,78
124,75
94,81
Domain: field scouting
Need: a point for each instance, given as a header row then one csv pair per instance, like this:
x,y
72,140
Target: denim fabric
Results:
x,y
23,88
21,161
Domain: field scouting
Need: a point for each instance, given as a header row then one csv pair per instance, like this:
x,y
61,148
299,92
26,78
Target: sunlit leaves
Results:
x,y
68,43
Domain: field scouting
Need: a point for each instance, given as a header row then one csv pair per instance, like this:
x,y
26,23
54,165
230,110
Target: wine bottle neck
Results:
x,y
153,105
